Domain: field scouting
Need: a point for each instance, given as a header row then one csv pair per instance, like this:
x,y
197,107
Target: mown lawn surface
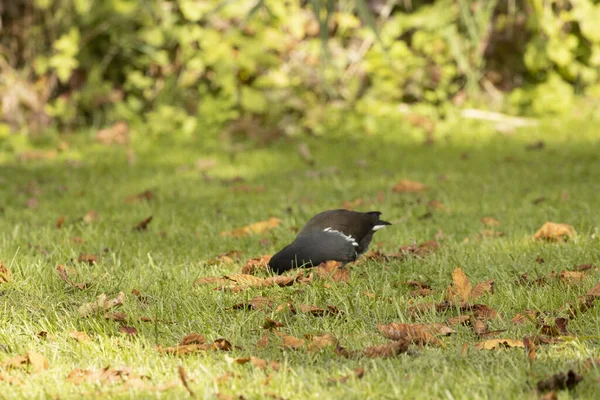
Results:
x,y
474,172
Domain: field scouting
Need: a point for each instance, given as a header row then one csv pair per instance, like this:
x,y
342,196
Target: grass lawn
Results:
x,y
474,172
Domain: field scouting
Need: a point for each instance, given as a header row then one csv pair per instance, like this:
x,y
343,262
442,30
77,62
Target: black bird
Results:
x,y
339,235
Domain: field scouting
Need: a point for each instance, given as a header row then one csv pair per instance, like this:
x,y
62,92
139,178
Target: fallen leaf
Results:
x,y
117,134
461,287
305,154
460,320
193,338
141,298
464,352
571,277
81,337
102,303
408,186
554,232
492,344
332,270
184,380
560,381
256,303
105,376
421,250
585,267
436,205
255,228
183,350
480,311
116,316
128,330
480,327
420,334
387,350
62,273
263,342
255,265
292,342
593,292
246,280
87,258
280,280
37,361
489,221
482,288
211,280
143,224
526,316
60,221
221,344
225,258
272,324
146,195
5,275
418,285
358,374
530,347
370,295
319,342
317,311
90,216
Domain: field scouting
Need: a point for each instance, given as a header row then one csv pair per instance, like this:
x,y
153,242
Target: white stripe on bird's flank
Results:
x,y
342,234
378,227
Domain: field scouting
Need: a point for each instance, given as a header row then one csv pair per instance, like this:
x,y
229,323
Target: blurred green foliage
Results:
x,y
201,67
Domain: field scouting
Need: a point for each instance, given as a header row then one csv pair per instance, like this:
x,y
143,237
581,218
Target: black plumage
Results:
x,y
339,235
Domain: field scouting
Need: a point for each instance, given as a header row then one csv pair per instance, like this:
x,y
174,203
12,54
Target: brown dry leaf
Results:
x,y
81,337
143,224
594,291
408,186
436,205
390,349
5,275
102,303
316,311
421,292
183,350
128,330
492,344
480,311
116,316
464,352
37,155
280,280
415,333
570,277
530,347
482,288
62,272
184,380
526,316
421,250
256,303
460,320
225,258
146,195
272,324
418,285
461,286
105,376
358,374
193,338
480,327
255,265
60,221
319,342
332,270
560,381
257,227
90,216
37,361
263,342
554,232
246,280
489,221
117,134
211,280
87,258
370,295
292,342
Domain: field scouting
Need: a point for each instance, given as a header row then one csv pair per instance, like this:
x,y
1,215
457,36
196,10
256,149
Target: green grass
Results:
x,y
473,171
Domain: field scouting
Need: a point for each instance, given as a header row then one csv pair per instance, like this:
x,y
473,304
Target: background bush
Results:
x,y
266,68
